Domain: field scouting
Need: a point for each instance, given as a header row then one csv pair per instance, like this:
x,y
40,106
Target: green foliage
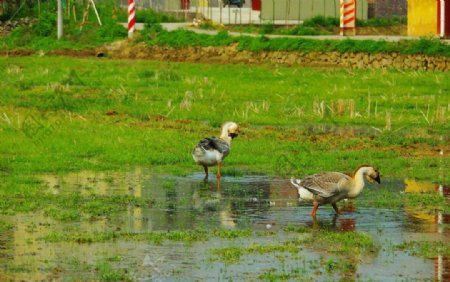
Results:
x,y
301,30
45,25
111,32
267,28
19,9
183,38
321,21
428,46
43,35
78,35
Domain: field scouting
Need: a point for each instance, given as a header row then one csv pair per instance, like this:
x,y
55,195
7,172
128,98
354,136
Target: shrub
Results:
x,y
267,28
45,25
321,21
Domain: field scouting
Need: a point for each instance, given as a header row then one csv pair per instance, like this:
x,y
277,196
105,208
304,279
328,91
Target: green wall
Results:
x,y
172,5
305,9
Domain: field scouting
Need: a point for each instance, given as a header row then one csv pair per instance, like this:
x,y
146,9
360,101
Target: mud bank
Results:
x,y
232,54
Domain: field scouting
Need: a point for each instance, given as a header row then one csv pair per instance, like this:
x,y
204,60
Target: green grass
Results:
x,y
4,226
108,272
70,207
347,244
427,249
297,274
61,115
155,237
234,254
186,38
387,198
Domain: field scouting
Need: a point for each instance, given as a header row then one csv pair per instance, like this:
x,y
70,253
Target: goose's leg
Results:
x,y
315,223
206,171
335,217
314,211
336,208
218,170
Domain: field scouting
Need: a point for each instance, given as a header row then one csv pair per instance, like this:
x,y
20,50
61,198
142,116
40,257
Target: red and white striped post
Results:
x,y
131,18
443,9
348,17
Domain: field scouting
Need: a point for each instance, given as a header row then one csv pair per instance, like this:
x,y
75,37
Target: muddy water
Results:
x,y
184,203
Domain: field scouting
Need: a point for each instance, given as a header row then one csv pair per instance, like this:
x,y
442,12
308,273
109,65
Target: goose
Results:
x,y
331,187
212,151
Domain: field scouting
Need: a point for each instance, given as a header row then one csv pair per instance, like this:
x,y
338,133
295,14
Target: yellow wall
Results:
x,y
422,17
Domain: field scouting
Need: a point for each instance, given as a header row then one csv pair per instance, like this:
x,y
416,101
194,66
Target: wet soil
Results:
x,y
261,204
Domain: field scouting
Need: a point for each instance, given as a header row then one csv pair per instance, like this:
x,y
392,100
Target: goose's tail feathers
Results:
x,y
296,182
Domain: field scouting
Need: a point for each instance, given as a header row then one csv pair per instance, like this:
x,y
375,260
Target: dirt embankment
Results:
x,y
231,54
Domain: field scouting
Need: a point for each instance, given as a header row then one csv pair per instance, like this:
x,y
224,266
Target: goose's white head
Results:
x,y
369,172
230,130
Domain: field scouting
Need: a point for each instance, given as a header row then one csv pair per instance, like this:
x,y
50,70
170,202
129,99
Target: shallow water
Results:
x,y
257,203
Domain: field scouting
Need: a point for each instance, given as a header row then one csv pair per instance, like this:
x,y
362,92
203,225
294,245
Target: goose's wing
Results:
x,y
325,184
214,143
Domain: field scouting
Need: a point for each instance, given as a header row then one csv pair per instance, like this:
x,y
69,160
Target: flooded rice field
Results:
x,y
274,235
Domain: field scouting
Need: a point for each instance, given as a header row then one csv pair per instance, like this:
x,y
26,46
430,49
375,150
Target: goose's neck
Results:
x,y
226,139
358,183
224,135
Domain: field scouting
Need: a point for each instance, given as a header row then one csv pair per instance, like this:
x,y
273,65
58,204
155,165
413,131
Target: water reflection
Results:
x,y
183,203
245,202
434,220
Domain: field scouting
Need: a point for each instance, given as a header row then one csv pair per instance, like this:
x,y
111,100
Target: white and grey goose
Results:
x,y
331,187
212,151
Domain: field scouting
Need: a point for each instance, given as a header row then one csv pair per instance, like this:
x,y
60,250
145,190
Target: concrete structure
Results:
x,y
422,17
305,9
387,8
